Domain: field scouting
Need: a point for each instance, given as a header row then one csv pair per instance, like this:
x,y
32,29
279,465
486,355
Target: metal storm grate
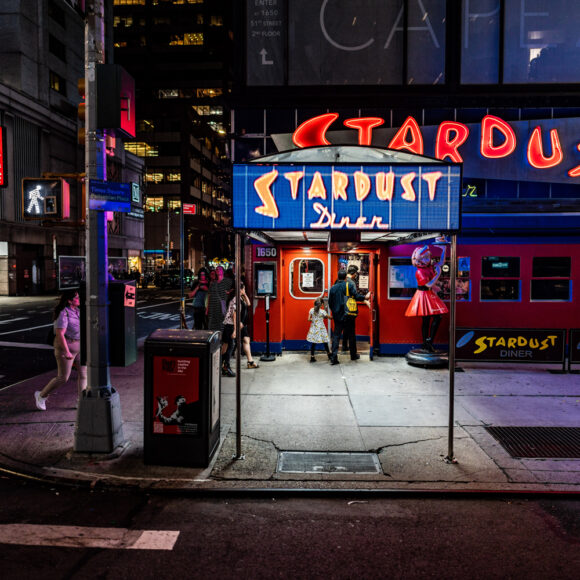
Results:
x,y
538,441
327,462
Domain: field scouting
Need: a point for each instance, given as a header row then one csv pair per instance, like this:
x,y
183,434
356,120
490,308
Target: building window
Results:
x,y
187,39
57,83
56,47
123,21
129,2
551,279
142,149
168,93
154,204
208,93
173,176
173,204
216,20
152,177
56,13
500,279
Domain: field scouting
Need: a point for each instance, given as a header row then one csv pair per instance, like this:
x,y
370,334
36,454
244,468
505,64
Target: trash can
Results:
x,y
122,323
182,397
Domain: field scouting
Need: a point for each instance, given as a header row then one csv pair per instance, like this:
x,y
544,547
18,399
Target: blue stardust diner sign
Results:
x,y
400,197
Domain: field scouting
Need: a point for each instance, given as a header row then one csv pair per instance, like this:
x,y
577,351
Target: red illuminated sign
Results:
x,y
2,178
189,209
498,139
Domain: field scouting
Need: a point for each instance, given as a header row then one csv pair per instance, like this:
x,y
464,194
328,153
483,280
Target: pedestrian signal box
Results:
x,y
44,199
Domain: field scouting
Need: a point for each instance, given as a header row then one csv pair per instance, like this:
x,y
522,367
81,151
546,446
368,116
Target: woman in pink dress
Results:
x,y
425,302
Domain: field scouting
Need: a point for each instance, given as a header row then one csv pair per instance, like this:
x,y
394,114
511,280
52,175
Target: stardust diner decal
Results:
x,y
422,197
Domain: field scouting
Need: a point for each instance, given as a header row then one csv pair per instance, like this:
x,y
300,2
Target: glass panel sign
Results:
x,y
421,197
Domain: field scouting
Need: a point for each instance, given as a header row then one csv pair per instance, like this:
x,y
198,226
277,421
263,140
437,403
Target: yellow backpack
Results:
x,y
351,306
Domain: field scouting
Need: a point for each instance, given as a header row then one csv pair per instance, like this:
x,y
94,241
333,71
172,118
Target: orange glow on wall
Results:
x,y
445,145
536,155
415,144
489,124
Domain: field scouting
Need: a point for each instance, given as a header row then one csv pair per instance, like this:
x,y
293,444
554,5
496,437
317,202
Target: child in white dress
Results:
x,y
317,333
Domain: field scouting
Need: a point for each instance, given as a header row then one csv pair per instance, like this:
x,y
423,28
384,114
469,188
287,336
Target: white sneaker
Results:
x,y
40,401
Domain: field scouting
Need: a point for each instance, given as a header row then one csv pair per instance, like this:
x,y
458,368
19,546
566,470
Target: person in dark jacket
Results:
x,y
343,322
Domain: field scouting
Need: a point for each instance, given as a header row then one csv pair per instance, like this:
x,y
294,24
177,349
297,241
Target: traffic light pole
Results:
x,y
99,421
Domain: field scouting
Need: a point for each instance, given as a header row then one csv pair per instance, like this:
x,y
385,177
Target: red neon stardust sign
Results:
x,y
498,139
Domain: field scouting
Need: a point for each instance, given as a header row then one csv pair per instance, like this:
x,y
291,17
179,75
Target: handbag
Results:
x,y
350,304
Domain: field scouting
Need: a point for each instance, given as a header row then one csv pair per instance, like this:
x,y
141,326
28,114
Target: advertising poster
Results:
x,y
512,345
176,405
71,272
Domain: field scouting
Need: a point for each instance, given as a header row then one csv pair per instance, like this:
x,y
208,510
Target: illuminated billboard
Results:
x,y
399,197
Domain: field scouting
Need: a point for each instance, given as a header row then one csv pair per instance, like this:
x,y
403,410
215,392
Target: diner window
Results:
x,y
551,279
500,279
306,278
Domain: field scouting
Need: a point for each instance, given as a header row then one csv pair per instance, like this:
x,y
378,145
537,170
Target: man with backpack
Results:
x,y
342,302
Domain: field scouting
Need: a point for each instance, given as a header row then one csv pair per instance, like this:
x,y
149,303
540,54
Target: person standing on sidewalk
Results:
x,y
317,333
343,321
67,347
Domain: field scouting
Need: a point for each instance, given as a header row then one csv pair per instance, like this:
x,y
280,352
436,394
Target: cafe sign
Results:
x,y
510,345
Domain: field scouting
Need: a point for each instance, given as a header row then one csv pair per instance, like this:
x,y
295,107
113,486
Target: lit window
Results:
x,y
216,20
208,93
153,204
173,204
57,83
142,149
124,21
173,177
153,177
129,2
168,93
122,44
187,39
551,279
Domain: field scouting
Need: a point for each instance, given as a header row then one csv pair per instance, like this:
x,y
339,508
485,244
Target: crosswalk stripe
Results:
x,y
87,537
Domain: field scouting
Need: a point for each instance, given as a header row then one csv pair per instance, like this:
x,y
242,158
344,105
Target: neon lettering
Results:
x,y
432,179
536,155
327,219
385,185
490,123
407,183
365,126
362,185
262,186
575,172
511,342
500,341
313,131
445,146
294,178
339,185
481,344
415,144
317,188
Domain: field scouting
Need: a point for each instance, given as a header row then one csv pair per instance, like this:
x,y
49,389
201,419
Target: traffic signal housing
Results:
x,y
44,199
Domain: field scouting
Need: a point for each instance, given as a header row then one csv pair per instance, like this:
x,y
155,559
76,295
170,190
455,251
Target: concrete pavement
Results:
x,y
385,406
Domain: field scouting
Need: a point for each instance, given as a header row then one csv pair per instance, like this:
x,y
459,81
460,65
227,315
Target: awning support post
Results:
x,y
450,458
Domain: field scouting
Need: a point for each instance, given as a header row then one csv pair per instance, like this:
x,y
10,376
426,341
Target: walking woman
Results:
x,y
67,347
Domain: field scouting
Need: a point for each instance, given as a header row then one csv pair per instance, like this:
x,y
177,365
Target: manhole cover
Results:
x,y
539,441
327,462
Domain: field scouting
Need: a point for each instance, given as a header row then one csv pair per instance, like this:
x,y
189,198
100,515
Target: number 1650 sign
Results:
x,y
265,252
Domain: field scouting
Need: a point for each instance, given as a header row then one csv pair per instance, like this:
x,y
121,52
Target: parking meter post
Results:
x,y
267,357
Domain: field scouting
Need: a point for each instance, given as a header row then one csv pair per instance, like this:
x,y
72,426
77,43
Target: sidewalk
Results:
x,y
385,406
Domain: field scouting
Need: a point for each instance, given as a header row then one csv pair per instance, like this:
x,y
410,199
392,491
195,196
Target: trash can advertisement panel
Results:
x,y
215,389
177,409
